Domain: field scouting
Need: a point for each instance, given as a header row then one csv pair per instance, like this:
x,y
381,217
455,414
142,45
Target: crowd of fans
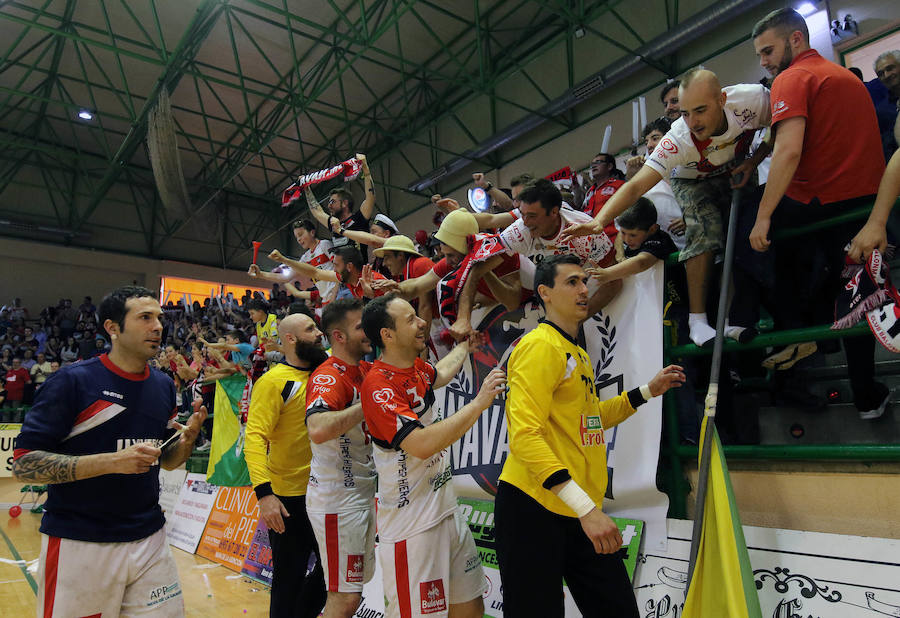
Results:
x,y
669,203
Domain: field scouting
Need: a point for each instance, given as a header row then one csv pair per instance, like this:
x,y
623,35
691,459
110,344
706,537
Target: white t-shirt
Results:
x,y
591,250
680,155
667,210
320,257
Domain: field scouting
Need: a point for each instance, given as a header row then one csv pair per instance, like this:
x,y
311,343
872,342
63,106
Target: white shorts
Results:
x,y
428,572
347,548
80,578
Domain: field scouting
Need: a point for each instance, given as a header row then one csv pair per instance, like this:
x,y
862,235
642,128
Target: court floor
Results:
x,y
209,588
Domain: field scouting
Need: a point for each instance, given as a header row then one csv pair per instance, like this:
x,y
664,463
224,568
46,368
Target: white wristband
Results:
x,y
645,392
576,499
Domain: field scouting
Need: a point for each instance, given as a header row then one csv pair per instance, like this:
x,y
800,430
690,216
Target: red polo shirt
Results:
x,y
842,155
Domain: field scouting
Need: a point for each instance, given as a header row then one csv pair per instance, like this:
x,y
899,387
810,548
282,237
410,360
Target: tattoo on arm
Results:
x,y
44,467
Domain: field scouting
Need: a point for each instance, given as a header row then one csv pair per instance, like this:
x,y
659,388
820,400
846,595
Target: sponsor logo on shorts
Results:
x,y
355,567
432,597
161,594
591,431
323,379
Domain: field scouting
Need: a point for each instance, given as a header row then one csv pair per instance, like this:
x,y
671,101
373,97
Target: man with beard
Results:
x,y
340,498
822,167
349,266
278,456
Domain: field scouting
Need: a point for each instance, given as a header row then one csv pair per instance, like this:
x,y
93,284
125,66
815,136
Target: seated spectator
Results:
x,y
69,352
17,378
41,370
27,358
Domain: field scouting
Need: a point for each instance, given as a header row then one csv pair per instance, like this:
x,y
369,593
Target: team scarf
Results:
x,y
481,247
866,287
348,170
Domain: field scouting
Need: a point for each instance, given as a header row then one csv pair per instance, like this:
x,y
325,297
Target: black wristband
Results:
x,y
263,489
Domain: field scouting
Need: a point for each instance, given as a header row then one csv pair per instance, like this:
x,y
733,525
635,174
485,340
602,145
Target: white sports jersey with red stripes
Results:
x,y
595,250
320,257
342,472
413,494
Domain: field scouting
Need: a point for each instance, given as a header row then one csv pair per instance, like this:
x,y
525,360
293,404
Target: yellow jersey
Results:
x,y
276,445
556,422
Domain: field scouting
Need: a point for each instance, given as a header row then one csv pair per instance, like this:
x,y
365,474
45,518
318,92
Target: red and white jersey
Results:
x,y
593,251
342,471
680,155
413,494
320,257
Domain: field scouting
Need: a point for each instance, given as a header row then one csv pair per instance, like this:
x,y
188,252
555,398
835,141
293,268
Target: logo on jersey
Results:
x,y
112,394
323,379
780,106
668,145
382,395
355,567
607,190
591,431
432,596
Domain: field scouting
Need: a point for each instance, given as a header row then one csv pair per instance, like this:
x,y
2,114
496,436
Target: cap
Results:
x,y
385,221
455,228
397,243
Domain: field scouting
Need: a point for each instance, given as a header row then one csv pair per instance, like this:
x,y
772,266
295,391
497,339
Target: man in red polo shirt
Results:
x,y
822,166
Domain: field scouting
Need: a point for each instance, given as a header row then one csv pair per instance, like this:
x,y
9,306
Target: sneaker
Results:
x,y
869,415
741,334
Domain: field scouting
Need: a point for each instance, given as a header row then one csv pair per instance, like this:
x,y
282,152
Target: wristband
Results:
x,y
576,499
645,392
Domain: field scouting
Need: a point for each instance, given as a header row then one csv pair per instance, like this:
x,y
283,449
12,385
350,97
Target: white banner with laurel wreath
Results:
x,y
624,342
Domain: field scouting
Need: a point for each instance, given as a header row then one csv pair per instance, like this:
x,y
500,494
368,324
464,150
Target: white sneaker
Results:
x,y
869,415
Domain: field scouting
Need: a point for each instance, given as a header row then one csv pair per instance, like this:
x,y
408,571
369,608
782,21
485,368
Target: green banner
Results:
x,y
227,466
480,517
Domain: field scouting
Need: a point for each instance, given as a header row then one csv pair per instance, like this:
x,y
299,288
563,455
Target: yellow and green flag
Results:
x,y
227,466
722,583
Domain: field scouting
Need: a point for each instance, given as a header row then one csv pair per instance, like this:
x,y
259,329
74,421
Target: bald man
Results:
x,y
277,451
706,146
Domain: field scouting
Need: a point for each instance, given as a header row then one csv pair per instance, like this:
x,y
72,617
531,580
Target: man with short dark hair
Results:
x,y
605,184
549,519
428,558
668,96
340,497
885,93
348,266
822,166
94,435
340,207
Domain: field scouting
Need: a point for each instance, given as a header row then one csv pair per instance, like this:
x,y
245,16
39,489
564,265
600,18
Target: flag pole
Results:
x,y
712,395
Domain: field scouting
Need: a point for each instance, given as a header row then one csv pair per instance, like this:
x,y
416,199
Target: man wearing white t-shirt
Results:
x,y
536,235
707,145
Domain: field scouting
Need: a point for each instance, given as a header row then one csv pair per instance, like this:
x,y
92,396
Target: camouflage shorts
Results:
x,y
702,202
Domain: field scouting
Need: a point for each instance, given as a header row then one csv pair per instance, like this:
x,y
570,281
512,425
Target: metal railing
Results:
x,y
677,454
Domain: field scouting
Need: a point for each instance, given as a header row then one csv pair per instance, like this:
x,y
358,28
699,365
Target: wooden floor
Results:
x,y
209,589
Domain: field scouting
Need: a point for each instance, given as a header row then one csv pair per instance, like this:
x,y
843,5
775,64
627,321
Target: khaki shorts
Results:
x,y
703,202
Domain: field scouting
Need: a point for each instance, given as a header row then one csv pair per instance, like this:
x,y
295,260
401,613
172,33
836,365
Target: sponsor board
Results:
x,y
231,527
191,510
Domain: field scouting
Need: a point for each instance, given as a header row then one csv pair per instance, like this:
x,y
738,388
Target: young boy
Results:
x,y
645,243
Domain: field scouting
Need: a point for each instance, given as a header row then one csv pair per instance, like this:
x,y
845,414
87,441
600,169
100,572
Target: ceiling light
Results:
x,y
86,114
806,9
